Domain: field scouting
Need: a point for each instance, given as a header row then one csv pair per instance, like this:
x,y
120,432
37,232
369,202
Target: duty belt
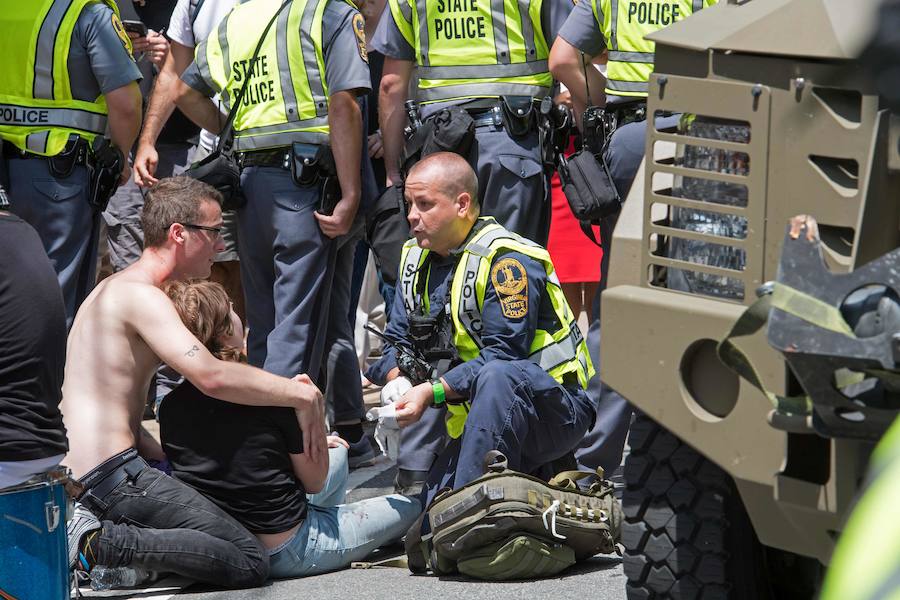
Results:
x,y
76,144
632,113
492,116
280,158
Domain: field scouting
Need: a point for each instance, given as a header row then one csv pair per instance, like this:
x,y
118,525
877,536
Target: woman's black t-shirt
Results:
x,y
237,456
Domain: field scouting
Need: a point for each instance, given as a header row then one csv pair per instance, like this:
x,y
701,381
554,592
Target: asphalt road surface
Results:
x,y
600,578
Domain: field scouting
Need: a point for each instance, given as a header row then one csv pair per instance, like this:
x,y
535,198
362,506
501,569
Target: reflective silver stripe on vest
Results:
x,y
614,19
222,34
37,142
73,118
43,52
484,71
406,10
697,5
527,29
246,141
310,62
641,57
284,68
475,90
422,15
408,277
617,85
501,37
557,353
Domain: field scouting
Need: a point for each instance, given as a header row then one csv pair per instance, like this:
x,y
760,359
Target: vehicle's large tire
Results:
x,y
686,533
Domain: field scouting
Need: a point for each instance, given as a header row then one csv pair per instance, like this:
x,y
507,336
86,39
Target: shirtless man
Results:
x,y
120,334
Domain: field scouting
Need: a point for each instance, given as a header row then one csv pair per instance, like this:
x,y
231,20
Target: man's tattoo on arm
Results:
x,y
192,352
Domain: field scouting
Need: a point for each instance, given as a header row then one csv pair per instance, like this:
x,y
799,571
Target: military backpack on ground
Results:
x,y
507,525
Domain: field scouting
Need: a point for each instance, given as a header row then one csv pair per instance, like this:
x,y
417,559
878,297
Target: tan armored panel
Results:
x,y
779,121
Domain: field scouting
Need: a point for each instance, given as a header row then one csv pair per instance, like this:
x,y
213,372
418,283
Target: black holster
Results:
x,y
75,153
313,165
106,169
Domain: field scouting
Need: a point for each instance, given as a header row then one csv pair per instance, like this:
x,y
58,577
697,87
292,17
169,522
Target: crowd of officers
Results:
x,y
517,374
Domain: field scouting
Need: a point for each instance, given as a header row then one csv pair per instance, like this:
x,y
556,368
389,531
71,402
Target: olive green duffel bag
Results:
x,y
508,525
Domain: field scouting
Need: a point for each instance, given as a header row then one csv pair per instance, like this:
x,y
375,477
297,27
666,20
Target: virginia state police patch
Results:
x,y
120,31
511,282
359,28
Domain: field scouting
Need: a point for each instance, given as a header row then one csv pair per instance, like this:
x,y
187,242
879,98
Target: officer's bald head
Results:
x,y
451,174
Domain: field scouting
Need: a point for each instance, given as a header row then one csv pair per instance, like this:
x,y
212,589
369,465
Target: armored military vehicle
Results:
x,y
733,492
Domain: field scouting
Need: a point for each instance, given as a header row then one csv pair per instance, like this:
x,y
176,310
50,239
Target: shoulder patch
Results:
x,y
359,28
120,31
511,282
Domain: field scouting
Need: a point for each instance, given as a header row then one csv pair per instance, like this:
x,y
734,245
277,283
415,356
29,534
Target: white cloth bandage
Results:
x,y
387,430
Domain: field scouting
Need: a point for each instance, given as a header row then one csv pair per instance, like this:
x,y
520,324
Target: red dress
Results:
x,y
575,257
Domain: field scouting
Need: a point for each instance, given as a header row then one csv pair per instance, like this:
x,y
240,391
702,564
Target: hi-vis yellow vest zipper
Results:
x,y
558,352
287,97
37,110
475,48
624,24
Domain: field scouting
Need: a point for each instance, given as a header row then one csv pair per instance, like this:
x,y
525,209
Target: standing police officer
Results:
x,y
300,104
518,381
619,28
67,78
489,57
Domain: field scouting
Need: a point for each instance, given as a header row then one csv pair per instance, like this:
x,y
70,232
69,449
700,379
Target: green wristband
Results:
x,y
438,389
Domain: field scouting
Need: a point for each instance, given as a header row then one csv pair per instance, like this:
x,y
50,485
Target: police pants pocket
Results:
x,y
59,191
521,166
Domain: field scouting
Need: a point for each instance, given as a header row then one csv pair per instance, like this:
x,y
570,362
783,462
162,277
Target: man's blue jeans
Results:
x,y
333,536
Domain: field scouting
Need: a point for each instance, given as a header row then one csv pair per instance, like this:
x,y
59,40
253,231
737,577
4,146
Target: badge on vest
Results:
x,y
359,28
120,31
511,282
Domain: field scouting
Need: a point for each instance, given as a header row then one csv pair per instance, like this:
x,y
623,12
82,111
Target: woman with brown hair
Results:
x,y
250,461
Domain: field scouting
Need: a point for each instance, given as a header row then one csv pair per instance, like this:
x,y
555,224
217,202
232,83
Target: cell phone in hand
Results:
x,y
136,27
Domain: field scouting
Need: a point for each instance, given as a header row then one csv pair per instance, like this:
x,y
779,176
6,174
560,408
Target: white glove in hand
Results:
x,y
387,431
394,389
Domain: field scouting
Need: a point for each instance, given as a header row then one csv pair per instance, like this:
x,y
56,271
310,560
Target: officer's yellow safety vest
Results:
x,y
866,561
287,96
624,24
37,110
560,352
475,48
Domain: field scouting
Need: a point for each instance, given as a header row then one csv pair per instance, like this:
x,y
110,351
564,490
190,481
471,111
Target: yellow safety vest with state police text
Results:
x,y
37,110
287,96
624,24
475,48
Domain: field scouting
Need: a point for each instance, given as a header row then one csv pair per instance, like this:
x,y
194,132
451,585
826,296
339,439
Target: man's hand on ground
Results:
x,y
413,404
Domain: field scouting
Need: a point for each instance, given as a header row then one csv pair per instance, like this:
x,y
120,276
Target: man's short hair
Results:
x,y
173,200
455,173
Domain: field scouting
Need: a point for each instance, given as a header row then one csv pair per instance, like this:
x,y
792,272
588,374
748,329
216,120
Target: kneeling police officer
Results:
x,y
514,367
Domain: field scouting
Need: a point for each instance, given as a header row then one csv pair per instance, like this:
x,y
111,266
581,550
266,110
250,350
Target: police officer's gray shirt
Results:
x,y
98,60
389,41
345,68
582,31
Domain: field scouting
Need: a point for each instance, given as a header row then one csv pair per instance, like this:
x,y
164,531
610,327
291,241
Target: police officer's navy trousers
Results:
x,y
518,409
286,269
66,223
604,443
512,186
